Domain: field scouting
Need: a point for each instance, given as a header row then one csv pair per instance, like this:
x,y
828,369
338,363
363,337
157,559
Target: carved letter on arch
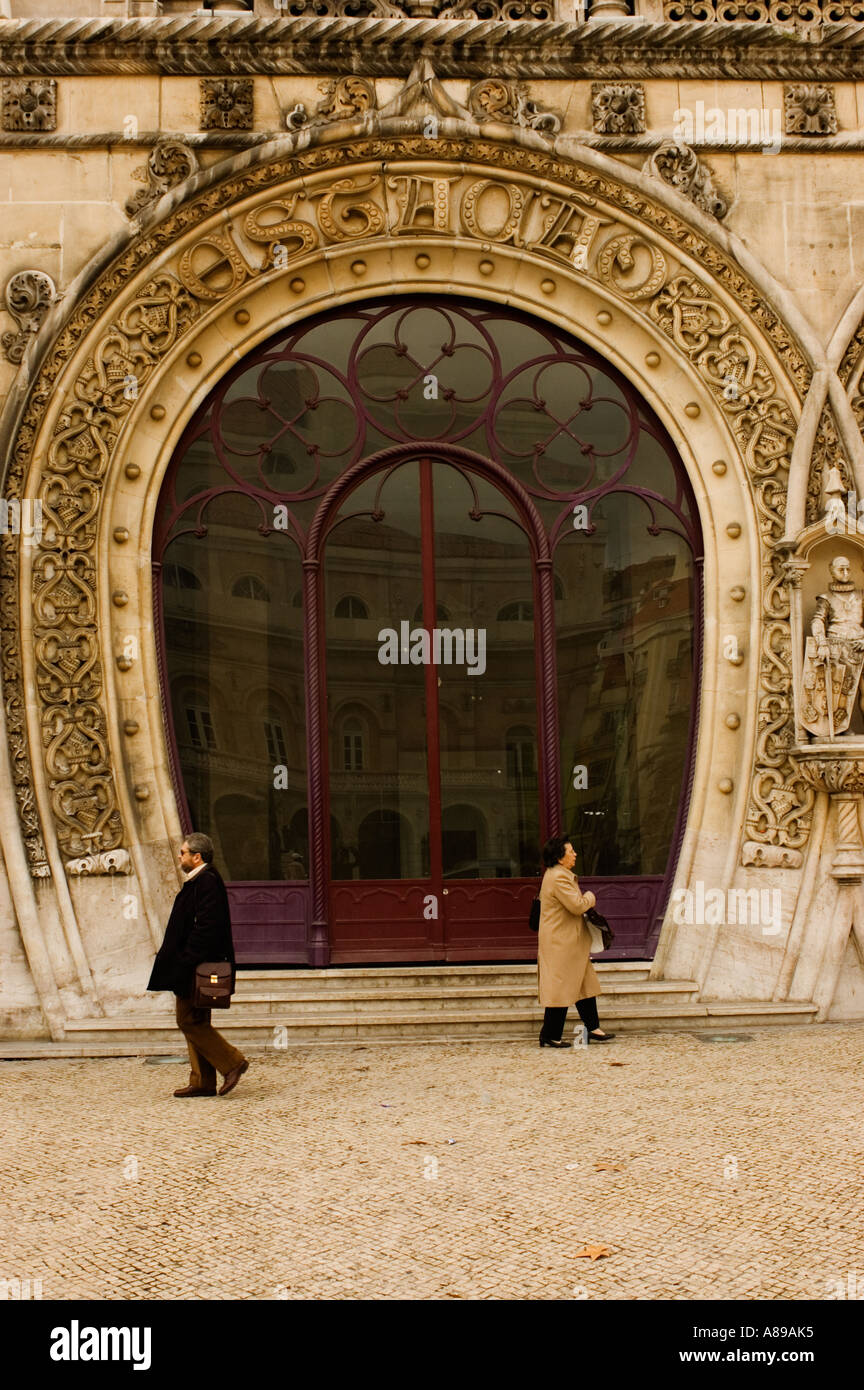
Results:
x,y
510,216
208,281
284,229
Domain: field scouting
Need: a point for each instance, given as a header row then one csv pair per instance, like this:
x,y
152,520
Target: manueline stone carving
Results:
x,y
794,14
29,296
827,454
169,163
29,103
341,9
115,861
809,109
495,99
500,9
345,99
679,166
227,103
618,108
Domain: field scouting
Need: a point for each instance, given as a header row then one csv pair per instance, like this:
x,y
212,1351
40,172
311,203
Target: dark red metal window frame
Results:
x,y
677,514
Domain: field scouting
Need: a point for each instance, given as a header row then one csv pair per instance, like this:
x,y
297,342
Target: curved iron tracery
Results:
x,y
561,420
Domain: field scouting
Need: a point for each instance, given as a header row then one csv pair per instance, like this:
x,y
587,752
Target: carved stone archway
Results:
x,y
265,243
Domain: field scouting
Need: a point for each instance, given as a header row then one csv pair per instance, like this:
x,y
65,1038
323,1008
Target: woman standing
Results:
x,y
564,968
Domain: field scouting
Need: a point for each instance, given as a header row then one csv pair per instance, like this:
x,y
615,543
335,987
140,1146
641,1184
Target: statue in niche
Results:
x,y
834,655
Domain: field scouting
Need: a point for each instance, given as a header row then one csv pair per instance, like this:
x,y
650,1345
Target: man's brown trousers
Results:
x,y
208,1050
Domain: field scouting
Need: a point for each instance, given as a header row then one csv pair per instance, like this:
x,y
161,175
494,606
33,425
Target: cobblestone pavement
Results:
x,y
445,1171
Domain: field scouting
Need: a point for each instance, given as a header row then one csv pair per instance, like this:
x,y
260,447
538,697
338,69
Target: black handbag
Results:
x,y
534,915
598,920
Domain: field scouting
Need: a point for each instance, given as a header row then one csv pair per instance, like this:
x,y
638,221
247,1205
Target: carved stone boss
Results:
x,y
227,103
571,229
28,103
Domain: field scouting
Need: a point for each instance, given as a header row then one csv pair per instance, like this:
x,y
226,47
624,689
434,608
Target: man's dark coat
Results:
x,y
198,929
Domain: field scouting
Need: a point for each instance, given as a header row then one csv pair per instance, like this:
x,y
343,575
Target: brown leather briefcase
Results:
x,y
214,985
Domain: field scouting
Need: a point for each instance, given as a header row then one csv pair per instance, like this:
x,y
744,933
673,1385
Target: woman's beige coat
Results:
x,y
564,968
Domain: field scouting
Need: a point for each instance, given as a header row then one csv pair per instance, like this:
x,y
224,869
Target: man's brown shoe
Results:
x,y
232,1077
194,1091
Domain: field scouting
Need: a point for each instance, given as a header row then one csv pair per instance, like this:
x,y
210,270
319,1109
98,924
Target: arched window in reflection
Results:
x,y
351,607
442,614
518,612
250,586
180,577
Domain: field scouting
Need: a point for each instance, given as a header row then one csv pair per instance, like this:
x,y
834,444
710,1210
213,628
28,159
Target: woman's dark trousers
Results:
x,y
554,1019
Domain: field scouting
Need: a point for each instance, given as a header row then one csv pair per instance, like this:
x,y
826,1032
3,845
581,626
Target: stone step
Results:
x,y
140,1033
521,994
284,984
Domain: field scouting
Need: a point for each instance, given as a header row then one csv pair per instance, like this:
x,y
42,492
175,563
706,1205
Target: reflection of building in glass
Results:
x,y
233,599
625,683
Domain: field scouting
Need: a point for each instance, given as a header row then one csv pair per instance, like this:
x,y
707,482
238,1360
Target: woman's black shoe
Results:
x,y
553,1042
596,1037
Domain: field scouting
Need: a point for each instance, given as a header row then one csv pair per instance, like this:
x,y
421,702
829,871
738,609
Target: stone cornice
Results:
x,y
190,45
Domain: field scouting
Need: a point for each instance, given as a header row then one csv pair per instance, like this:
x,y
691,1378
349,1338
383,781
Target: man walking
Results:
x,y
199,929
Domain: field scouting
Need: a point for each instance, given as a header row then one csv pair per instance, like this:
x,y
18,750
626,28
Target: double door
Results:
x,y
431,685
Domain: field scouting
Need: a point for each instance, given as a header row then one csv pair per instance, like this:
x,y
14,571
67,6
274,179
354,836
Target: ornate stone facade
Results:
x,y
496,100
169,163
376,183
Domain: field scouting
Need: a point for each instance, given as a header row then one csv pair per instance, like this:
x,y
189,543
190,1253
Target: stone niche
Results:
x,y
830,750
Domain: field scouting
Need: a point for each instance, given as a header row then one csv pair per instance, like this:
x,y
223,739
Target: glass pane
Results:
x,y
376,713
234,653
487,690
624,616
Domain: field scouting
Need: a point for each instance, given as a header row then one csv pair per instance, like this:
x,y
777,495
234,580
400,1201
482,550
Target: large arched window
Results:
x,y
532,510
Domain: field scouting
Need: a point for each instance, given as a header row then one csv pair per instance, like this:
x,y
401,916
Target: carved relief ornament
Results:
x,y
526,200
29,296
227,103
28,103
